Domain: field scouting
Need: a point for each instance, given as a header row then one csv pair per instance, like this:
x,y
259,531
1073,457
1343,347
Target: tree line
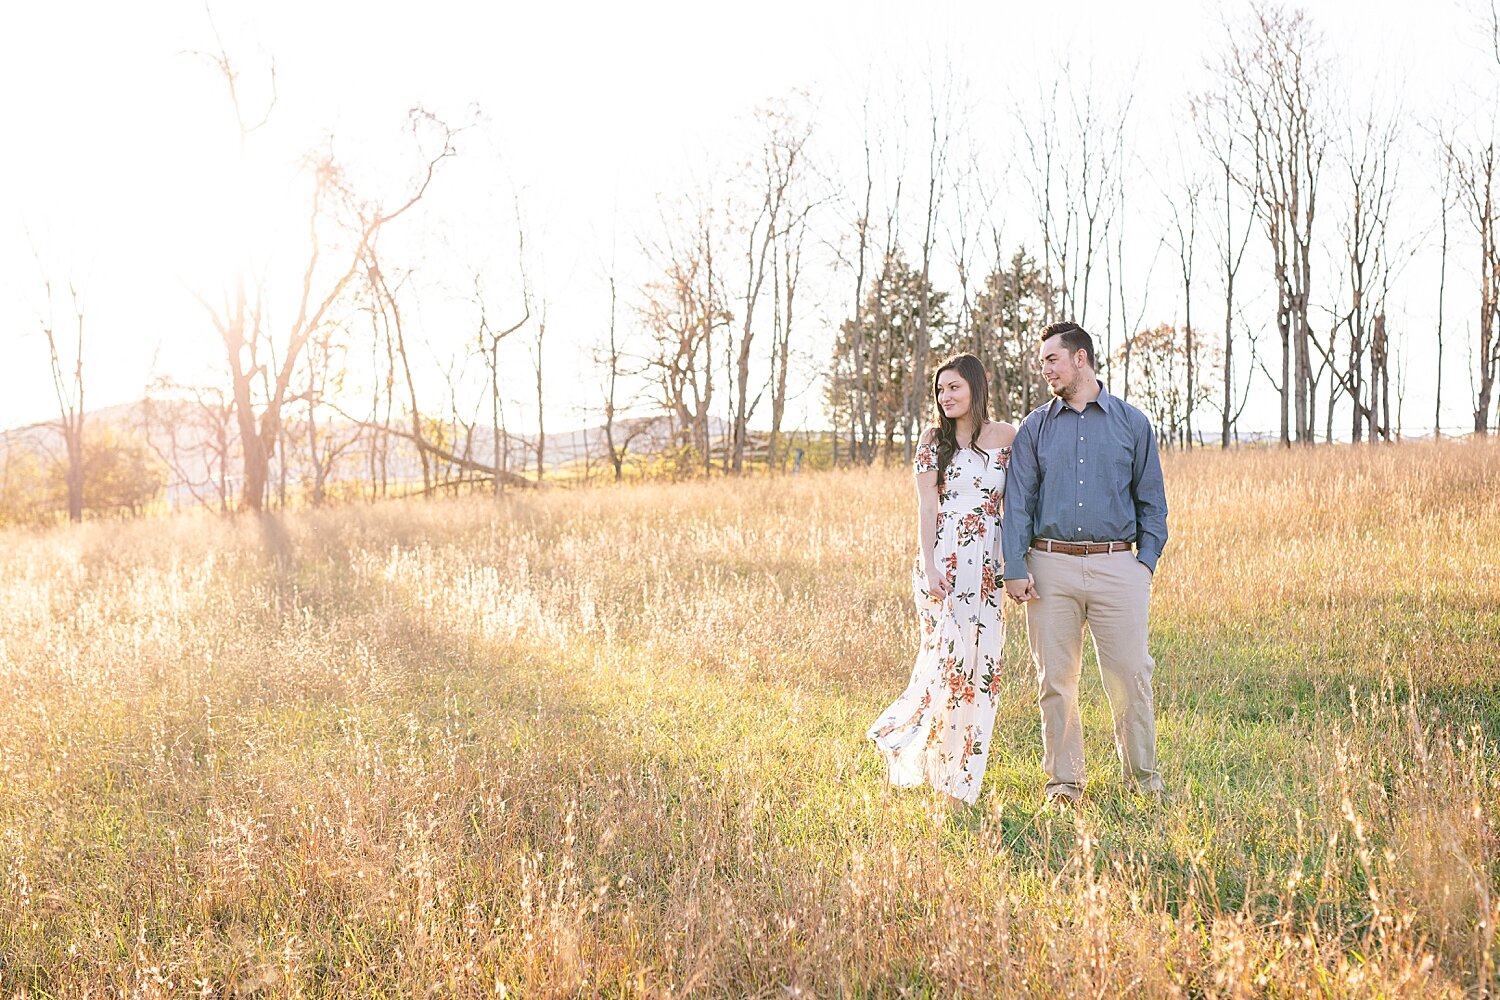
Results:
x,y
829,265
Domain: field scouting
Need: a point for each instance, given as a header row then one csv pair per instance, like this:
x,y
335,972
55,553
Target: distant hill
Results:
x,y
198,441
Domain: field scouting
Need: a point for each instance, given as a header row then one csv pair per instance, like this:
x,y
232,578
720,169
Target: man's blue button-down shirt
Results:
x,y
1084,476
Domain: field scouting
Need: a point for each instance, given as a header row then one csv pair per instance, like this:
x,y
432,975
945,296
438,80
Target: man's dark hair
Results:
x,y
1074,338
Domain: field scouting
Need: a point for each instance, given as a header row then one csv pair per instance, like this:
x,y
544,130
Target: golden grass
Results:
x,y
610,743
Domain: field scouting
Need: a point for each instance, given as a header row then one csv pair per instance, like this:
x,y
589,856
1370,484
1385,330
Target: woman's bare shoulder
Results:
x,y
997,434
929,436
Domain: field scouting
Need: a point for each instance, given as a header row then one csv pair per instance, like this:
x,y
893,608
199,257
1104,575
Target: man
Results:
x,y
1083,489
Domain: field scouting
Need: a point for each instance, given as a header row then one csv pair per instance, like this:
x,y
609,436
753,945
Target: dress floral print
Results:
x,y
938,731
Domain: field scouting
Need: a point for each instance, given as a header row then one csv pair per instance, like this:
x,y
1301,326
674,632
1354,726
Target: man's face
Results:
x,y
1062,371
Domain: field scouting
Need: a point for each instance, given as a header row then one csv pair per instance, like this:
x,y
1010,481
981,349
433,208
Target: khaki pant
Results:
x,y
1111,593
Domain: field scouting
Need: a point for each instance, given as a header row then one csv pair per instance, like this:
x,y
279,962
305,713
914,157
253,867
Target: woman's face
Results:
x,y
953,395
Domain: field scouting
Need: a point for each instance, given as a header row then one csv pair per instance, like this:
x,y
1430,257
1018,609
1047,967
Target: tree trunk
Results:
x,y
1226,421
1437,412
541,425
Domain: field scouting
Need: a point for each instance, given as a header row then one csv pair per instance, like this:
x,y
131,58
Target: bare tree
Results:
x,y
1185,211
326,371
684,307
1445,197
1371,177
619,435
1214,113
251,349
889,345
490,339
988,323
1274,70
1100,186
537,367
1131,325
1380,376
388,306
798,205
939,121
758,258
859,387
788,277
965,235
192,430
1054,215
861,430
779,168
1474,169
1076,155
67,384
383,393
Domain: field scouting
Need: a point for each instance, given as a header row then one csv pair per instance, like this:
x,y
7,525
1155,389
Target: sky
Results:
x,y
123,173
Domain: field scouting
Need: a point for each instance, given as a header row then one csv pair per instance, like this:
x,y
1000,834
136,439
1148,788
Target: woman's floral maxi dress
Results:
x,y
938,731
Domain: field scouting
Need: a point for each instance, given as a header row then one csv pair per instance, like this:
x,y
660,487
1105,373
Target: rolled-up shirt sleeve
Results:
x,y
1149,492
1021,480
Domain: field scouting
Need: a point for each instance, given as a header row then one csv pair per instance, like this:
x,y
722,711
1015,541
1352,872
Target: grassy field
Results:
x,y
609,742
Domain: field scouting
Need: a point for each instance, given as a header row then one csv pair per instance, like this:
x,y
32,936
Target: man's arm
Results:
x,y
1021,482
1150,494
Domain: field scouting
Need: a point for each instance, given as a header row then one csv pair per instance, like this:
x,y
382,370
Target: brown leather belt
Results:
x,y
1079,548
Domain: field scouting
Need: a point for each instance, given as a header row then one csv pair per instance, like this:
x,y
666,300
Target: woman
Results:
x,y
938,731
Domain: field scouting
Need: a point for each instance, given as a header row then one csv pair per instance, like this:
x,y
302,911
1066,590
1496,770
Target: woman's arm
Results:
x,y
926,474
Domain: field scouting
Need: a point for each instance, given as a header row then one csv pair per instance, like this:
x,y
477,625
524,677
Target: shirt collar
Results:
x,y
1106,402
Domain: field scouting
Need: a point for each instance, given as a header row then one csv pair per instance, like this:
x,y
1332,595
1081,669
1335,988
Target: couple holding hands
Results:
x,y
1067,515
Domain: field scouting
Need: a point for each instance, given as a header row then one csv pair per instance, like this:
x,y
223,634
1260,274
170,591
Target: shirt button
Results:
x,y
1080,503
1080,482
1080,437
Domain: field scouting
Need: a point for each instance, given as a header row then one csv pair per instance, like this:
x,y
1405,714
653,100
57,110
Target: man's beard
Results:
x,y
1064,391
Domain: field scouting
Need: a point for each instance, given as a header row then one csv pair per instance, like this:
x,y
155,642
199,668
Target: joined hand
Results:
x,y
1021,591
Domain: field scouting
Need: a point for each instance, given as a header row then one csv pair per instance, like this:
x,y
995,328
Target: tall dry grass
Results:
x,y
610,743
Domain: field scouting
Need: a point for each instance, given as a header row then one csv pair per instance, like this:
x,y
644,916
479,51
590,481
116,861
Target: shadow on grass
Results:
x,y
1206,849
